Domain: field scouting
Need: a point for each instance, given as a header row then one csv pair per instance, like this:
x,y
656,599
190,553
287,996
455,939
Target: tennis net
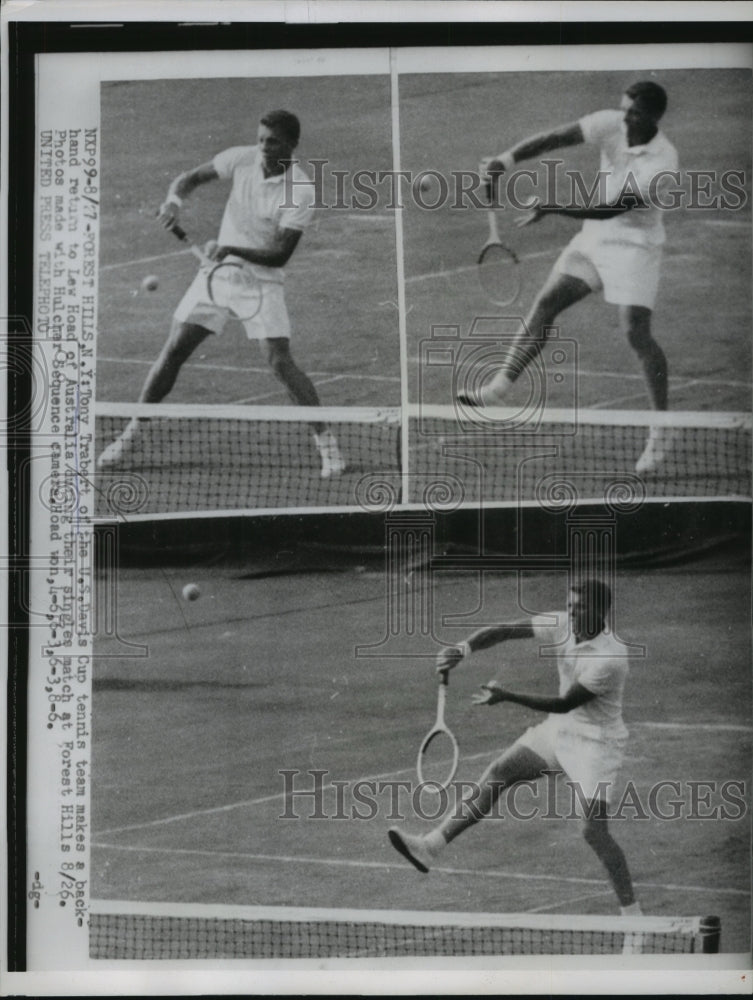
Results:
x,y
182,460
189,459
128,930
554,457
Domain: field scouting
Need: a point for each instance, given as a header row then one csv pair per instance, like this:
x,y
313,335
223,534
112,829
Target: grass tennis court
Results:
x,y
192,730
260,675
342,289
702,316
342,286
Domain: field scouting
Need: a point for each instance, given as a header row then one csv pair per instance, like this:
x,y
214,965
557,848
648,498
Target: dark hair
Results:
x,y
651,96
285,122
596,594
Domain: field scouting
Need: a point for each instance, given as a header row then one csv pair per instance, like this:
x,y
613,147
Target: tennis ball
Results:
x,y
191,592
150,282
426,184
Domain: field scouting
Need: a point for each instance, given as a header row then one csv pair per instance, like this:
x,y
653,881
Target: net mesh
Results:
x,y
173,460
145,931
558,458
168,459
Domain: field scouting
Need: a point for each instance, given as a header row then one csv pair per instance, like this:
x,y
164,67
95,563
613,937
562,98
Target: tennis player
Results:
x,y
270,204
583,734
618,250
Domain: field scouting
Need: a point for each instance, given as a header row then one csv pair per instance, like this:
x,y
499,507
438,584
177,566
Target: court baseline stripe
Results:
x,y
431,275
704,727
254,370
230,806
258,801
389,866
674,381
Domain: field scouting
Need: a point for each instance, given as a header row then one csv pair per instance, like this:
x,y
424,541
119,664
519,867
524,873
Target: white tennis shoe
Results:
x,y
413,847
115,453
659,444
492,394
333,463
633,942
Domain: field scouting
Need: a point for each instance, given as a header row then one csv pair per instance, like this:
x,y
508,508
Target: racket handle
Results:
x,y
179,232
444,678
491,187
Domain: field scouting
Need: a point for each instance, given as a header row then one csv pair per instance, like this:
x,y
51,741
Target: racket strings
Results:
x,y
498,274
438,758
232,287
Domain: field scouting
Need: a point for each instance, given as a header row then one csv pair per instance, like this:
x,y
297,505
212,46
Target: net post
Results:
x,y
710,933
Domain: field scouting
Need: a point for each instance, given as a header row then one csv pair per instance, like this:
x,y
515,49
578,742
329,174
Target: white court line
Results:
x,y
629,376
248,400
182,253
243,803
143,260
572,899
254,370
484,873
247,802
465,268
704,727
676,384
267,395
731,223
534,255
370,217
588,373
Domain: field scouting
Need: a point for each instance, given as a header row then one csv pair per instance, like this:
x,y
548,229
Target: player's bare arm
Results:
x,y
484,638
627,203
576,695
544,142
180,188
276,255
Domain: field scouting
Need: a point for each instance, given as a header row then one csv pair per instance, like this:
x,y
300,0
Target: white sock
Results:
x,y
494,393
633,910
131,429
434,840
326,440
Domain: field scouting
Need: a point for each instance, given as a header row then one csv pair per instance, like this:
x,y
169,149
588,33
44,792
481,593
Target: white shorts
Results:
x,y
271,321
627,272
586,760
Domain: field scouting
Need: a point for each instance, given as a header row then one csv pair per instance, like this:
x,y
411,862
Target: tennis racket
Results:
x,y
230,285
498,265
439,746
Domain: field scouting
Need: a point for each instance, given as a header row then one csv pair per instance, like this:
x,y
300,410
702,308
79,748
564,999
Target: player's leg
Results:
x,y
560,291
635,323
597,835
595,828
299,386
302,391
518,763
182,341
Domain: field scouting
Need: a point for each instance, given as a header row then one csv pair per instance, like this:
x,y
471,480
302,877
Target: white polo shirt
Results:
x,y
600,665
259,206
634,168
